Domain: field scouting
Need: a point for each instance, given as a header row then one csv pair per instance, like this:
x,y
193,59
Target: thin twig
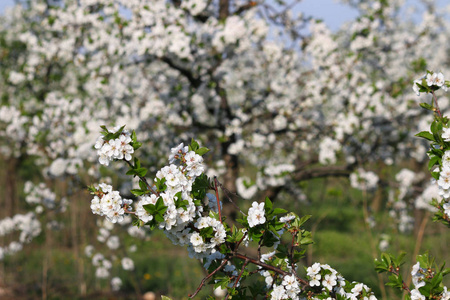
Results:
x,y
240,274
268,267
437,110
226,193
208,277
217,198
144,180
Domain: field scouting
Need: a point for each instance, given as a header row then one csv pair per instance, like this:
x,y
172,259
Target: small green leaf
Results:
x,y
433,161
193,146
426,135
426,106
150,208
141,172
201,151
268,204
138,192
142,185
278,211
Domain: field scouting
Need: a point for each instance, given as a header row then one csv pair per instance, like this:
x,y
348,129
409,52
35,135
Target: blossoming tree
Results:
x,y
244,78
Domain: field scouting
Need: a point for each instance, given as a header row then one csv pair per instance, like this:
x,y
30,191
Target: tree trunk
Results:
x,y
224,9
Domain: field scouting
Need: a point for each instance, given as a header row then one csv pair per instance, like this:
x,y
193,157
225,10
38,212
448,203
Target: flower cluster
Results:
x,y
323,277
439,136
288,289
103,265
29,228
444,175
178,203
420,278
256,214
109,203
430,80
364,180
41,196
117,147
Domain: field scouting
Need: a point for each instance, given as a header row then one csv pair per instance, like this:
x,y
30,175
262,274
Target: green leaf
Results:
x,y
278,211
386,258
436,127
303,220
306,238
159,218
201,151
141,172
138,192
435,175
142,185
268,205
165,298
134,143
137,163
426,106
161,184
426,135
193,146
150,208
400,259
207,232
433,161
131,172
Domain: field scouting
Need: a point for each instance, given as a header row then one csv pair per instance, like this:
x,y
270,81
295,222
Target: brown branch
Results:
x,y
245,7
268,267
325,171
208,277
240,273
436,110
195,82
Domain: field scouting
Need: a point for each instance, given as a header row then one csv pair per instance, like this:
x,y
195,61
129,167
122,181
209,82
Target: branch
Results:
x,y
245,7
196,82
208,277
268,267
325,171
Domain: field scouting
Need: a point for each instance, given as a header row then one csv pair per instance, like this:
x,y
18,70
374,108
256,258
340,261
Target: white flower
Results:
x,y
127,264
315,279
290,282
416,295
196,239
329,281
446,134
116,283
89,250
113,242
436,79
256,214
314,269
416,87
418,276
101,272
278,293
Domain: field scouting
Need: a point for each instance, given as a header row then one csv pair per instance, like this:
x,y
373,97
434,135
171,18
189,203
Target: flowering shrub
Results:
x,y
177,202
